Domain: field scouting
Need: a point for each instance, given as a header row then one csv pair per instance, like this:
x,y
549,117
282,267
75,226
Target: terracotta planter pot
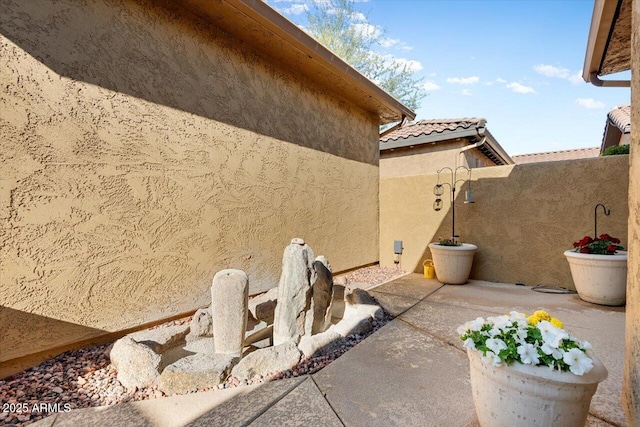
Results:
x,y
453,263
525,395
600,279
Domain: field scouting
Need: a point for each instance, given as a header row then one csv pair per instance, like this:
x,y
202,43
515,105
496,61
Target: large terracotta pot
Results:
x,y
600,279
525,395
453,263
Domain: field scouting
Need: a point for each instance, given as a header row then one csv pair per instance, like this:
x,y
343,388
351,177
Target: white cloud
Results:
x,y
498,80
429,85
589,103
389,42
463,80
433,74
406,48
368,30
466,92
576,79
551,71
410,64
519,88
358,16
296,9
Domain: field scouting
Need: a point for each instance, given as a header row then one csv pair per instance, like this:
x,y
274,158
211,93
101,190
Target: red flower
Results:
x,y
614,240
585,241
585,250
605,237
612,248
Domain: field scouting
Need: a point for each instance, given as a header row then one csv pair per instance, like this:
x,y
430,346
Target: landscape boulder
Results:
x,y
138,365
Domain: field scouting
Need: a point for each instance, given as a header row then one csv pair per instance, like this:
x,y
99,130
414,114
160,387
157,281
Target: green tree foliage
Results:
x,y
615,150
338,26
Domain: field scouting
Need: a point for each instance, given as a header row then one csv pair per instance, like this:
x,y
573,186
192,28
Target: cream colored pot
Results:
x,y
524,395
453,263
600,279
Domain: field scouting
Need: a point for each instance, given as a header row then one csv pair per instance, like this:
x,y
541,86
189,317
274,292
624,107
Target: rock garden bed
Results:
x,y
86,378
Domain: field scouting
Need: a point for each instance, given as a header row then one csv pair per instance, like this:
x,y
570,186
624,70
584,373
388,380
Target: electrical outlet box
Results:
x,y
397,247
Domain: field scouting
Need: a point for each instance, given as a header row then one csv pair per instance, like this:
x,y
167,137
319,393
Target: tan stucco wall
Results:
x,y
631,385
428,158
142,151
524,218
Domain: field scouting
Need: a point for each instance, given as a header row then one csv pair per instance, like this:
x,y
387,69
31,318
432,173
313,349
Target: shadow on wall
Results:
x,y
160,52
524,218
43,337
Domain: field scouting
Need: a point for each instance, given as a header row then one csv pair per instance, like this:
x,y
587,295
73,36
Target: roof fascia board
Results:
x,y
268,17
426,139
497,149
601,24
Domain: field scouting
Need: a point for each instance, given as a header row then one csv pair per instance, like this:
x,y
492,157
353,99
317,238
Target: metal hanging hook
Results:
x,y
595,218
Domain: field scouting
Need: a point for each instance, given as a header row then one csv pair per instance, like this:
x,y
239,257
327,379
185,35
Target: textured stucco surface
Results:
x,y
524,218
428,158
631,386
142,151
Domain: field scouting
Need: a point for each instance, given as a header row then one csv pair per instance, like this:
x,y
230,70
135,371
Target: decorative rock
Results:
x,y
277,358
229,298
195,372
294,293
360,309
263,306
318,317
297,241
138,366
359,296
201,324
161,339
320,344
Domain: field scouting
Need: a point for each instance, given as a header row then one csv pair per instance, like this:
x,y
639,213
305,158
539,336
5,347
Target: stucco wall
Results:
x,y
631,386
428,158
524,218
142,151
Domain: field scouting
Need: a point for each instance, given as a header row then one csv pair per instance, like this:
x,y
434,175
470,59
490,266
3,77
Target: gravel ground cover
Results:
x,y
85,378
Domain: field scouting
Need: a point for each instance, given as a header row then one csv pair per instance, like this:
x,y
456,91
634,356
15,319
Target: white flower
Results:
x,y
495,345
472,325
491,357
517,317
578,362
585,345
521,335
550,334
468,343
500,322
552,351
528,354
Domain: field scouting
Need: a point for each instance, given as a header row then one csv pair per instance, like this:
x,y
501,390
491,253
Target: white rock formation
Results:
x,y
294,292
229,299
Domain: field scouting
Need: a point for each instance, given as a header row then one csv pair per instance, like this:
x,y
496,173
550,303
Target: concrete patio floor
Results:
x,y
411,372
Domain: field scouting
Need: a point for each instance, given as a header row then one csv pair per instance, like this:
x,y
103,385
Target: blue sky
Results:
x,y
514,62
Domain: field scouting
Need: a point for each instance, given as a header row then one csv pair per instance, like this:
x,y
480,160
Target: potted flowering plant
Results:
x,y
529,371
452,260
599,269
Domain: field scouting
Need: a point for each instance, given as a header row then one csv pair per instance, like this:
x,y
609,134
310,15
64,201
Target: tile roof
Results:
x,y
551,156
621,117
427,127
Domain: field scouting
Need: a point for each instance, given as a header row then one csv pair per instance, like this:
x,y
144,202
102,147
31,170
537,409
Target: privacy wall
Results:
x,y
524,218
143,150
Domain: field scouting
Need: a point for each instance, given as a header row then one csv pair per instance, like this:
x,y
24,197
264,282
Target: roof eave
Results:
x,y
498,151
609,44
601,23
426,139
260,26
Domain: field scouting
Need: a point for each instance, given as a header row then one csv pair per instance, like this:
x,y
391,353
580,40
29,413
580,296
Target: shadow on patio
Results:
x,y
413,371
